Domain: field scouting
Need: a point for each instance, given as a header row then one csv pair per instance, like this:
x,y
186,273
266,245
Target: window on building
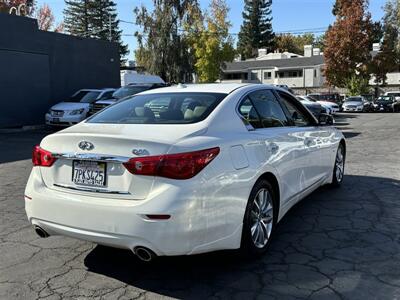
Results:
x,y
267,75
315,73
254,75
290,74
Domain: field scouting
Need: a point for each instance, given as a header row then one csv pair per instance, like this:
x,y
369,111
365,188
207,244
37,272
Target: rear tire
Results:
x,y
338,169
260,219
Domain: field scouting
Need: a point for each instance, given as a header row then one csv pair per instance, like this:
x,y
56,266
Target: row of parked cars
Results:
x,y
389,102
87,102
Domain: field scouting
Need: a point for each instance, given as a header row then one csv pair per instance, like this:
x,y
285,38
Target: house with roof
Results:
x,y
301,73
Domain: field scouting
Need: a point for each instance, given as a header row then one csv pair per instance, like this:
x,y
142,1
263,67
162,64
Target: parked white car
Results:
x,y
395,94
122,92
308,100
332,106
183,170
354,104
75,109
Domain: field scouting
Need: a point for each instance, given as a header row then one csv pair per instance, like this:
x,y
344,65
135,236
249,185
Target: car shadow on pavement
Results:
x,y
350,134
336,243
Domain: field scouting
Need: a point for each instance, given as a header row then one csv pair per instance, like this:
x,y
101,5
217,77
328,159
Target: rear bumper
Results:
x,y
123,223
352,109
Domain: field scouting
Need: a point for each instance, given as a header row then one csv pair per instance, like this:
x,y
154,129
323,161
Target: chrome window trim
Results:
x,y
92,157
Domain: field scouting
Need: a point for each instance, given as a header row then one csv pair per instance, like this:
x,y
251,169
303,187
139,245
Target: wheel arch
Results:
x,y
271,178
343,142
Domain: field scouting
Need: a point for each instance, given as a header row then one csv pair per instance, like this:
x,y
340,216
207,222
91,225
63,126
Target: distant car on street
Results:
x,y
333,106
395,94
123,92
354,103
385,104
75,109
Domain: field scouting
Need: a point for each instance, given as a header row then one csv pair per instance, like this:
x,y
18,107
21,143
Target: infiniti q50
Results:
x,y
183,170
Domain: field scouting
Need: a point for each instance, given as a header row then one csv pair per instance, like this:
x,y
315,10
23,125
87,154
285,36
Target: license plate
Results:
x,y
56,120
89,173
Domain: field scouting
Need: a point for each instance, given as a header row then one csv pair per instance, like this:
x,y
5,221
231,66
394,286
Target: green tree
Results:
x,y
347,44
212,43
163,49
293,43
388,58
256,31
105,25
391,21
95,19
77,17
357,85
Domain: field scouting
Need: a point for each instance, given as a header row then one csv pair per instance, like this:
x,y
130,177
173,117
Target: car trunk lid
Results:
x,y
112,145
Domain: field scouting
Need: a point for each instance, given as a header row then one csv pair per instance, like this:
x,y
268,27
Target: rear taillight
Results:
x,y
175,166
42,158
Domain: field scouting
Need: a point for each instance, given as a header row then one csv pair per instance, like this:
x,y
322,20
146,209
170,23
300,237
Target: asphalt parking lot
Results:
x,y
336,244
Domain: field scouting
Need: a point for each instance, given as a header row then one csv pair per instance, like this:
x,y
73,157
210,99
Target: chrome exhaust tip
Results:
x,y
144,254
41,232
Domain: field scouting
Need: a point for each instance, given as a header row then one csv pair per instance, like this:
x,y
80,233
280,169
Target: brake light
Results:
x,y
175,166
42,158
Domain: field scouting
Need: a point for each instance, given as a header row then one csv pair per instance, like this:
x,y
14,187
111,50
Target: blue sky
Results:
x,y
288,14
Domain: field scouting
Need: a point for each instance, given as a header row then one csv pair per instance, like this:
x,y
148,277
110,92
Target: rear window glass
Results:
x,y
129,91
160,108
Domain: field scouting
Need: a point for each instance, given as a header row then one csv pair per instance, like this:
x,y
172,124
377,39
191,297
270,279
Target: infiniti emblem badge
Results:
x,y
84,145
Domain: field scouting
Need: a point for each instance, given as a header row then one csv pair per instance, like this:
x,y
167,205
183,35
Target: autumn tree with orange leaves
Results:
x,y
348,43
21,7
45,19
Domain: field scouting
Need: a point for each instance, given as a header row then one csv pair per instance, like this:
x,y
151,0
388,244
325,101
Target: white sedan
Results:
x,y
183,170
75,109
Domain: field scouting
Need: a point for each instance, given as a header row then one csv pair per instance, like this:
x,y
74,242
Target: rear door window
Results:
x,y
298,116
268,108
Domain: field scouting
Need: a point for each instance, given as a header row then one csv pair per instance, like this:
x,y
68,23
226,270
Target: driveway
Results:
x,y
336,244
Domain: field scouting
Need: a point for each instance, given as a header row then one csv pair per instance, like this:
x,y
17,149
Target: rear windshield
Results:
x,y
160,108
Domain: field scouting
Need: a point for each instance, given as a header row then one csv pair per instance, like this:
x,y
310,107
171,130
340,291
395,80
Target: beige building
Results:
x,y
298,72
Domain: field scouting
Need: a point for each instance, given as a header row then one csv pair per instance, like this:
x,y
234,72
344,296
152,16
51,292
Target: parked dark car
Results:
x,y
385,104
123,92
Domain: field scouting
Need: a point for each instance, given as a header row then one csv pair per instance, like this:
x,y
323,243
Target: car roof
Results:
x,y
224,88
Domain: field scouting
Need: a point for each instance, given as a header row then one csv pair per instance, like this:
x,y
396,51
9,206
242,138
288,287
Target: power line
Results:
x,y
292,31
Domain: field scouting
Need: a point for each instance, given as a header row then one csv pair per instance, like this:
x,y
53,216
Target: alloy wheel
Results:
x,y
339,164
262,217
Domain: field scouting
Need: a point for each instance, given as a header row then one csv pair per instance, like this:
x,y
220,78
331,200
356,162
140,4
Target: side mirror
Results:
x,y
325,120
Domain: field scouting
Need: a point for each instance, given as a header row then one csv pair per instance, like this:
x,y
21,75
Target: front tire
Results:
x,y
260,219
338,169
